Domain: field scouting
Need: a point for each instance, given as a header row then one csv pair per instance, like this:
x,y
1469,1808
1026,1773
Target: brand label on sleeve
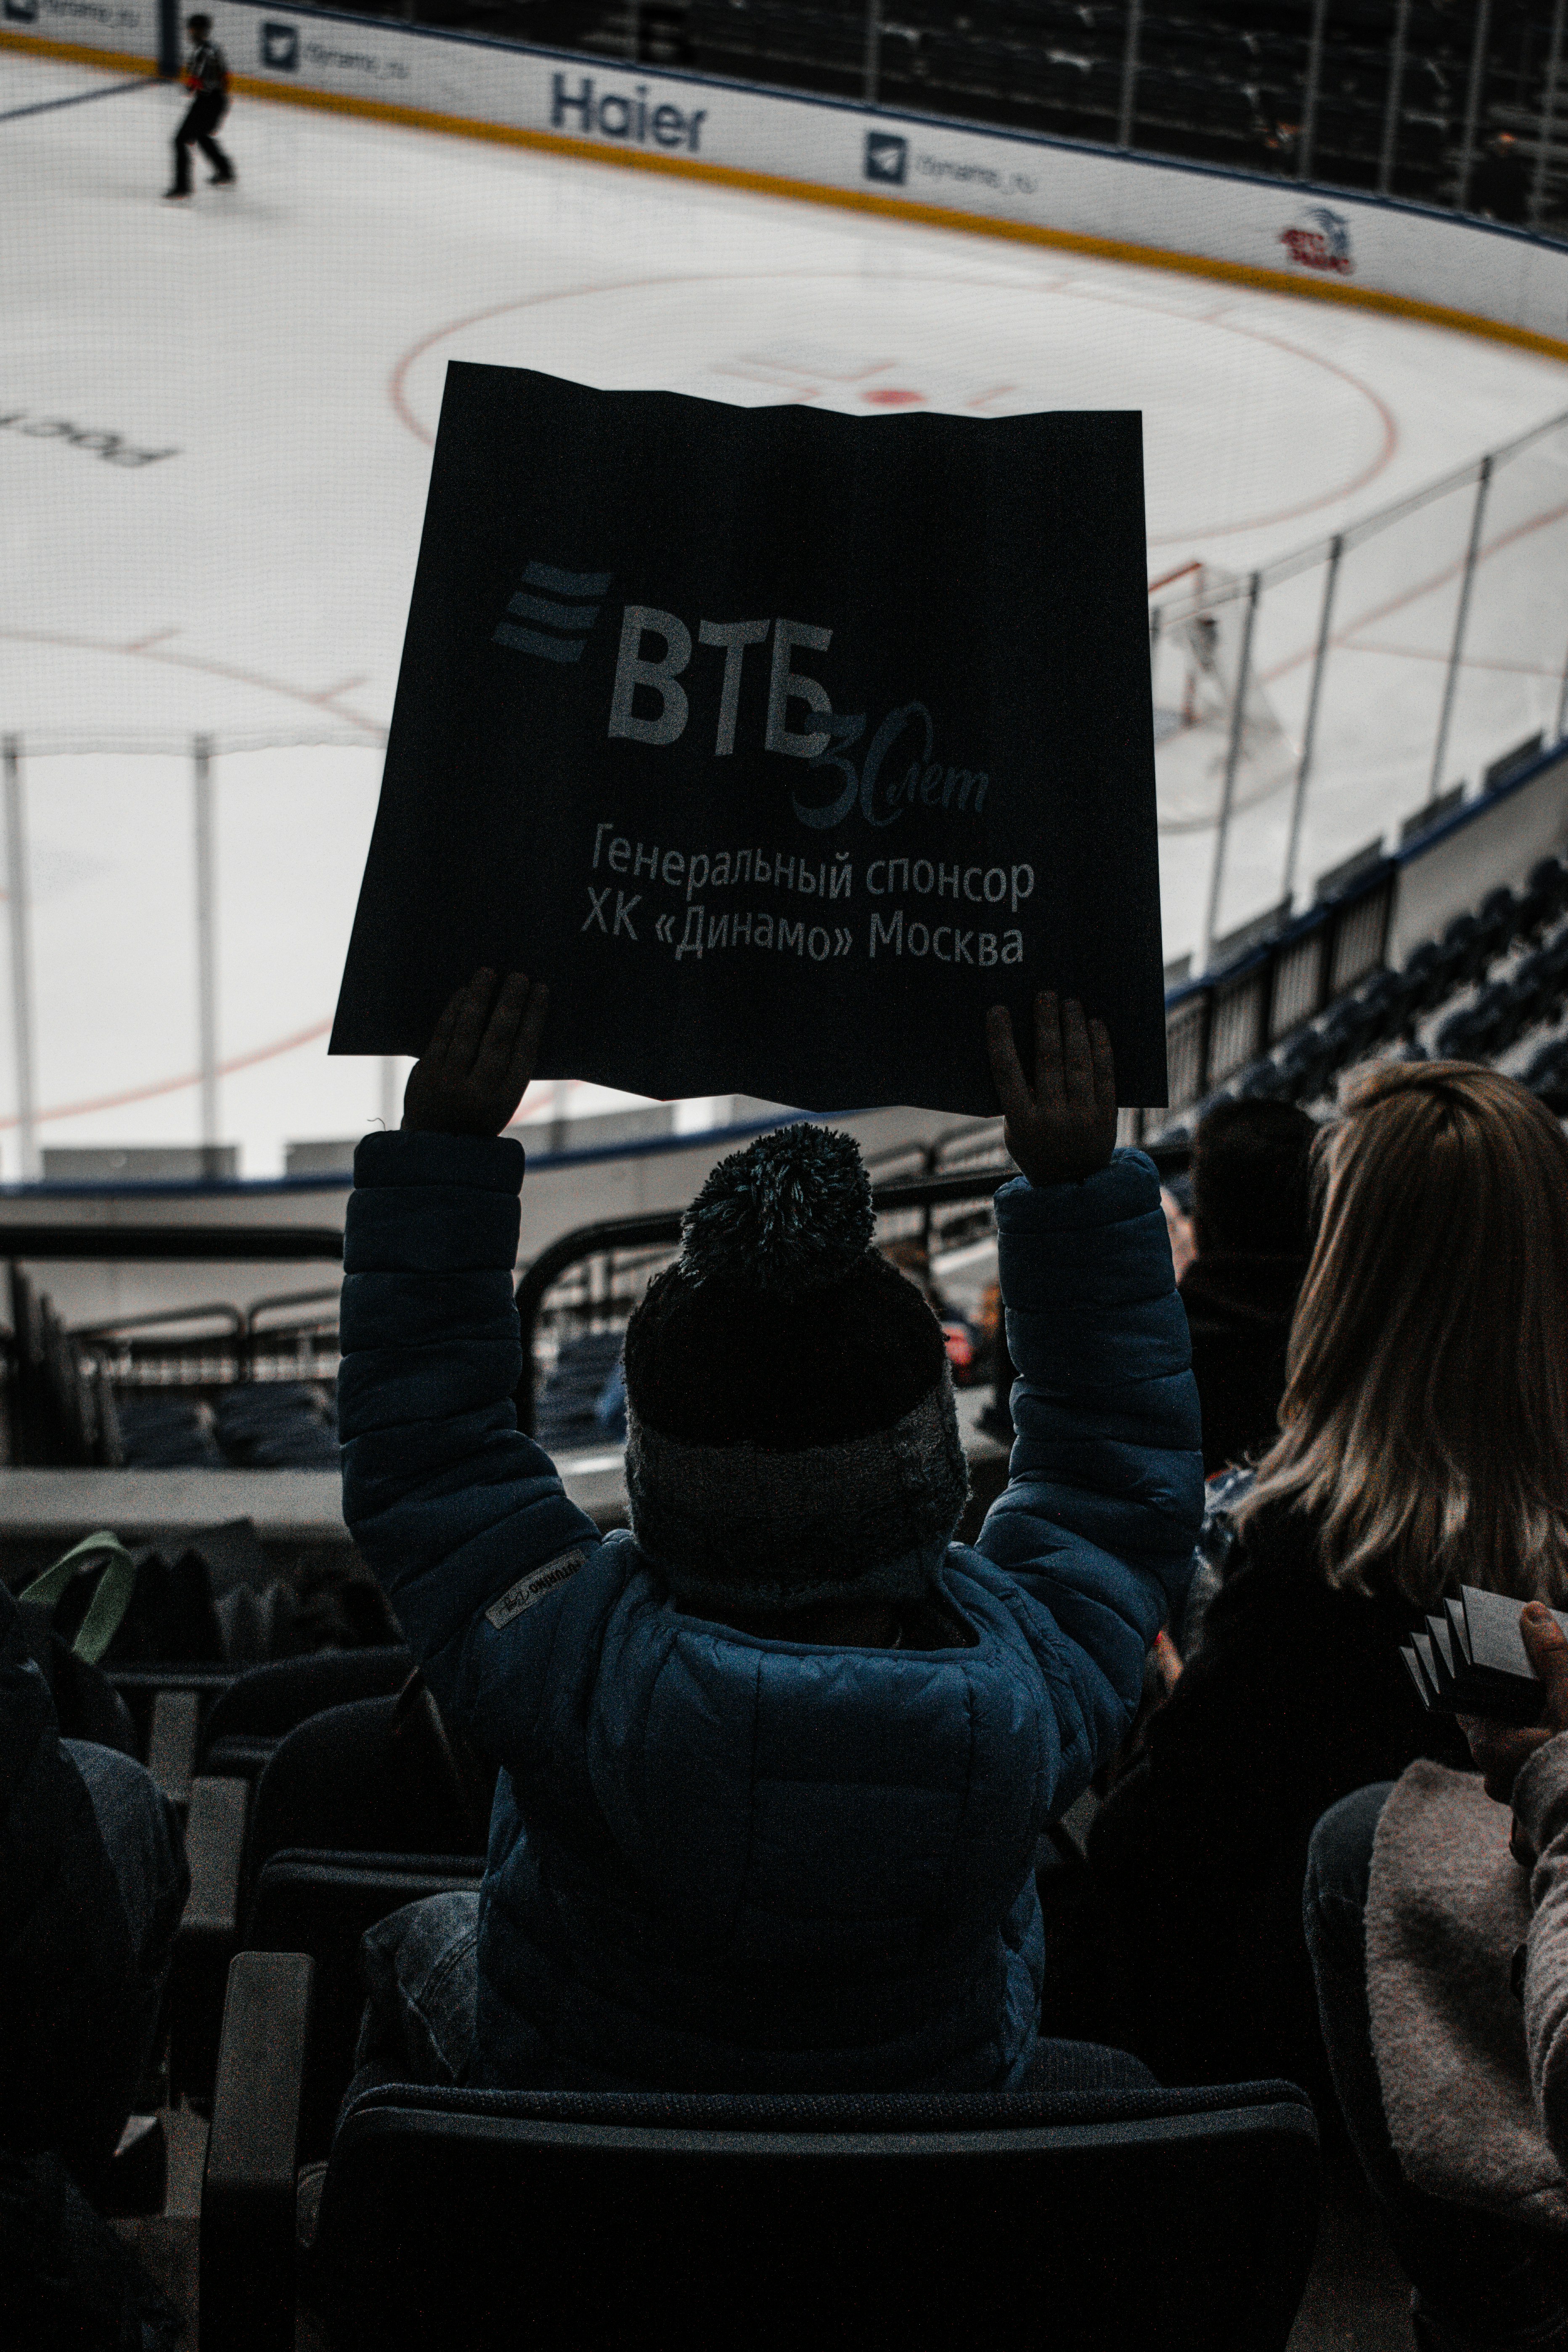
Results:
x,y
536,1586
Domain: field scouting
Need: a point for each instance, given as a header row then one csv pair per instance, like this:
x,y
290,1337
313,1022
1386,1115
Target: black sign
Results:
x,y
781,743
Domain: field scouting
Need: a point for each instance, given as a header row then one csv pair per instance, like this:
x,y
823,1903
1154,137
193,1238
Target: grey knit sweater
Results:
x,y
1467,1987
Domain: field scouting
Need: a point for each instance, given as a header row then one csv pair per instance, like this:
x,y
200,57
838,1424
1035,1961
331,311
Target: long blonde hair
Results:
x,y
1424,1422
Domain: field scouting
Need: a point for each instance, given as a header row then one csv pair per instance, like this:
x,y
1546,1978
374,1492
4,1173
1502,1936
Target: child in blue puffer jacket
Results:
x,y
772,1766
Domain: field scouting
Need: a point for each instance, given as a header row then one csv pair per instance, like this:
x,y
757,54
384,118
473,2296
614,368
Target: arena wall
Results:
x,y
1322,243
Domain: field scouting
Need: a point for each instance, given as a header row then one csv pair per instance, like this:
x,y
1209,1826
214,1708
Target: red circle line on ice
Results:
x,y
155,1086
154,648
1388,429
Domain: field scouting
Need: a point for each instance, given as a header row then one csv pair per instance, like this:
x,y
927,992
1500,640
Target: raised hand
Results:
x,y
475,1071
1502,1752
1063,1126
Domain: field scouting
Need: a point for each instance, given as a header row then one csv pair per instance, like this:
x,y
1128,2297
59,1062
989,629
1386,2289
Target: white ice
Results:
x,y
284,343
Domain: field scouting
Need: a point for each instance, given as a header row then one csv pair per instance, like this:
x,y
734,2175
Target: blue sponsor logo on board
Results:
x,y
887,157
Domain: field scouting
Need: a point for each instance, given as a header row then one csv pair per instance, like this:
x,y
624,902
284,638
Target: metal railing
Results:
x,y
630,1249
1448,606
60,1383
1214,1027
189,1244
17,753
1281,979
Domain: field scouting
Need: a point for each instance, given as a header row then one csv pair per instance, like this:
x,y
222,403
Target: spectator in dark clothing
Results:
x,y
1455,2099
1183,1940
1497,186
1250,1216
92,1884
775,1763
1425,1444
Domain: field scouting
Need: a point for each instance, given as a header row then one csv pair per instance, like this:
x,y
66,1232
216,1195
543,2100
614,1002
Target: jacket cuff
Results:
x,y
473,1163
1540,1793
1128,1187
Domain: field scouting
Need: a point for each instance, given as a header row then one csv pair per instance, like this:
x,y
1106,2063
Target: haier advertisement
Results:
x,y
781,743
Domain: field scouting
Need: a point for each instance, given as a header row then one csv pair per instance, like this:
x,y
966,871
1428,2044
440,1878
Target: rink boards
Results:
x,y
1362,250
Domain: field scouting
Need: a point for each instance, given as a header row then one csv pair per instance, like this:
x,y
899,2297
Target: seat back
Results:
x,y
321,1904
1135,2217
252,1715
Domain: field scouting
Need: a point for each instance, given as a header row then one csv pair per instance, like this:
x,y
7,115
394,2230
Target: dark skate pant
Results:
x,y
202,117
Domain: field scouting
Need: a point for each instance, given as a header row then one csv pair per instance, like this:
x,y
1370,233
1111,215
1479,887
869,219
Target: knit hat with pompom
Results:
x,y
792,1435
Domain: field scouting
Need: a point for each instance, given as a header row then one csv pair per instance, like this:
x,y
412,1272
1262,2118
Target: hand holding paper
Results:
x,y
1064,1126
1500,1750
475,1071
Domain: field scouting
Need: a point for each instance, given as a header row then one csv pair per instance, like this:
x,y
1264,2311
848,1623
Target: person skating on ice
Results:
x,y
206,78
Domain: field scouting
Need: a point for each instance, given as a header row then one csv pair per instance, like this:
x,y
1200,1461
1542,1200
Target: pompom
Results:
x,y
791,1213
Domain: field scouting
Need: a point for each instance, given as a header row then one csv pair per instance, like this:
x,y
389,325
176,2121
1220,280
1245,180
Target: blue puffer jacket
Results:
x,y
723,1863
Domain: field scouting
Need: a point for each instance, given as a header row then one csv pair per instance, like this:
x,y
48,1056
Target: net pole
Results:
x,y
1473,101
1232,762
1130,74
1395,91
1452,682
1563,704
19,905
1304,145
1310,728
207,946
1548,115
873,66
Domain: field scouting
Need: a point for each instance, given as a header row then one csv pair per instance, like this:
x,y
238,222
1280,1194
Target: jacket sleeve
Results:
x,y
1105,1497
462,1519
1541,1809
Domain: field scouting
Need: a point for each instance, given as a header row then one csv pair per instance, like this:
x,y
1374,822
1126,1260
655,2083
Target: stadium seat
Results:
x,y
1346,1031
1545,896
565,1411
1545,1071
1384,1000
1304,1063
1535,984
1425,978
1097,2210
1520,1009
1500,918
1464,950
1555,954
278,1425
378,1769
252,1715
1457,1037
321,1904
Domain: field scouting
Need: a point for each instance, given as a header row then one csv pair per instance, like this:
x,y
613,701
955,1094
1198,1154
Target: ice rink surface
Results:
x,y
215,422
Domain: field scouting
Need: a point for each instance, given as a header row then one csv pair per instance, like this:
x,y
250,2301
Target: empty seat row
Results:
x,y
1387,1005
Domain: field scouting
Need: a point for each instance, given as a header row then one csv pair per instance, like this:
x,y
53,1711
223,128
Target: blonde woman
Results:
x,y
1423,1443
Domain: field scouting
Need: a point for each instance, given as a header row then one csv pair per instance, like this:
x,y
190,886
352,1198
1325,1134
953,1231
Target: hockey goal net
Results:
x,y
1197,629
